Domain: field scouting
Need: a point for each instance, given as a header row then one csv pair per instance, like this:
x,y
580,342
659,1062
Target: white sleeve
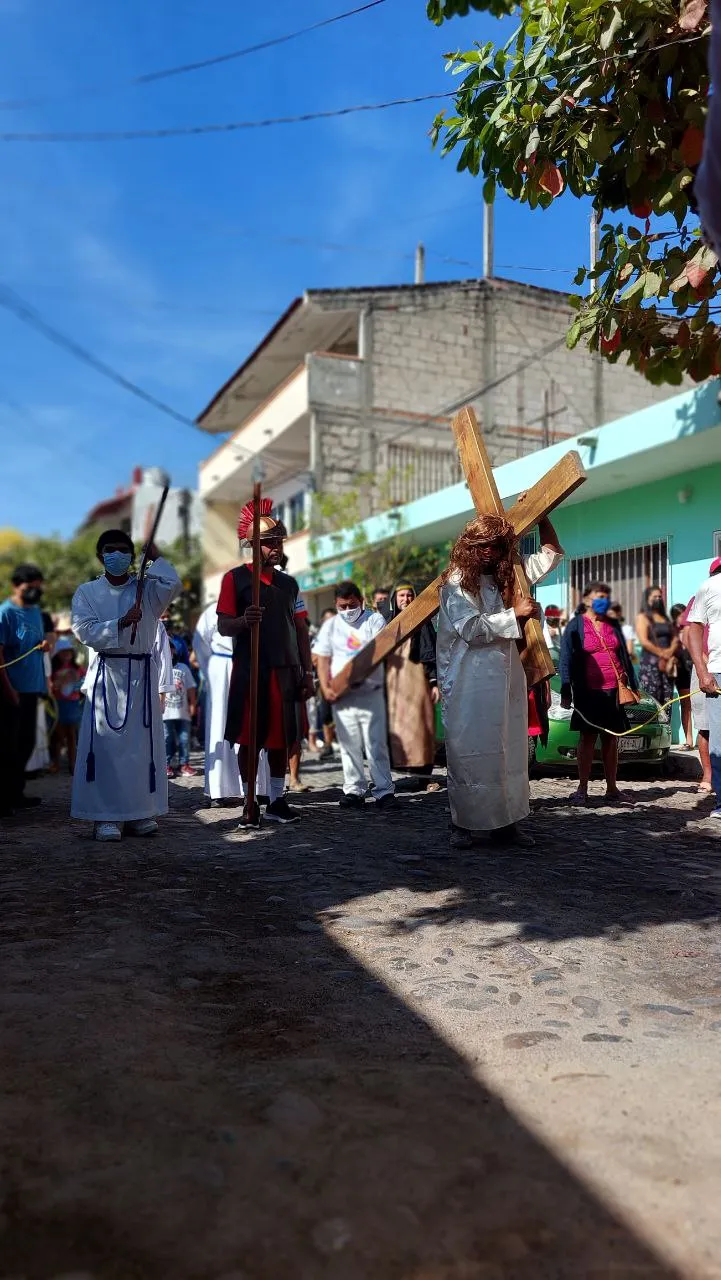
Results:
x,y
162,585
202,639
323,646
376,623
473,626
699,612
89,629
540,563
165,660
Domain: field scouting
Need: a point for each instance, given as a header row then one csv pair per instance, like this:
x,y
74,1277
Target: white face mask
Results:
x,y
351,615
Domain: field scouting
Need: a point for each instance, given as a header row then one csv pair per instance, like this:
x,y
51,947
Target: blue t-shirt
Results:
x,y
21,628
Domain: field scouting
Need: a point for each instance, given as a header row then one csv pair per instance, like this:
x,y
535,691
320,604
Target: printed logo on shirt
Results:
x,y
353,642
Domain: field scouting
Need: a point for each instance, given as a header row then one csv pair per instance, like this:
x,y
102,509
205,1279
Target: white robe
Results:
x,y
215,659
485,701
121,790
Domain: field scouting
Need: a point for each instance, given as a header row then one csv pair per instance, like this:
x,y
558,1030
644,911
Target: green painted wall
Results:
x,y
643,515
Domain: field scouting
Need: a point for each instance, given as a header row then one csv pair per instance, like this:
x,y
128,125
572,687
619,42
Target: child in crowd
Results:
x,y
66,684
178,710
360,714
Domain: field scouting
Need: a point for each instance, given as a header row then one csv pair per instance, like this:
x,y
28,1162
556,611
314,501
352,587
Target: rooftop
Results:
x,y
328,320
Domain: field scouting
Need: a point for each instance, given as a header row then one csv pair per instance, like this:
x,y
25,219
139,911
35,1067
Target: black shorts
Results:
x,y
601,708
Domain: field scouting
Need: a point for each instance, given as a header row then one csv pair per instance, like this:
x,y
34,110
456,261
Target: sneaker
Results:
x,y
280,811
326,753
107,831
249,824
187,771
143,827
170,771
352,802
387,802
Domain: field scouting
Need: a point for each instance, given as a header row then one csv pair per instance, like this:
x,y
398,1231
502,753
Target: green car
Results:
x,y
649,746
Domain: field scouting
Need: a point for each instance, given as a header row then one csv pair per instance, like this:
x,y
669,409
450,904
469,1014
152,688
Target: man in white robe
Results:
x,y
482,682
215,659
120,776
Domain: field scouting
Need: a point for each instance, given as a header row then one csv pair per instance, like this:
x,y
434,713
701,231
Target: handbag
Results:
x,y
627,696
669,667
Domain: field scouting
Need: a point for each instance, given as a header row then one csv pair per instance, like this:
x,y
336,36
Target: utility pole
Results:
x,y
488,240
598,408
420,276
184,504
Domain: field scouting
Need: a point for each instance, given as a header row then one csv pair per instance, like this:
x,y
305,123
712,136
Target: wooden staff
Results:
x,y
146,556
252,809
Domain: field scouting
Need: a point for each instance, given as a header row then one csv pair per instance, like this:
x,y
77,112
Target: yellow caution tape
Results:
x,y
27,653
637,727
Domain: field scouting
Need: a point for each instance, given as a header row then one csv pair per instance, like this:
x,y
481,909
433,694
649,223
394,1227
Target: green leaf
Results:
x,y
652,282
609,34
489,190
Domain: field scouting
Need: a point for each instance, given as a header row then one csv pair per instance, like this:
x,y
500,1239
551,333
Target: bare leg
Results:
x,y
294,767
586,746
703,750
685,706
609,754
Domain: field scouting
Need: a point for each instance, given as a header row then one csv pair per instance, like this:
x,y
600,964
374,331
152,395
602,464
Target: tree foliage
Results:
x,y
66,562
607,100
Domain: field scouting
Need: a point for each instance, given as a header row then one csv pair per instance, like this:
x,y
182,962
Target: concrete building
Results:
x,y
128,508
347,402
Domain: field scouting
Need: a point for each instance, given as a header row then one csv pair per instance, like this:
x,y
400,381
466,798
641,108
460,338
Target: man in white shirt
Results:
x,y
361,722
705,616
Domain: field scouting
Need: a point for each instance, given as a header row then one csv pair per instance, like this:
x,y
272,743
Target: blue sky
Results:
x,y
166,258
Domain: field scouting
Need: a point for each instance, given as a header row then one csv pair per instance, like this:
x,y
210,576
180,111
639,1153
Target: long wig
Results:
x,y
465,563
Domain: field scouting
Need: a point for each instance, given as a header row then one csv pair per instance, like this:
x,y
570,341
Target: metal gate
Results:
x,y
628,571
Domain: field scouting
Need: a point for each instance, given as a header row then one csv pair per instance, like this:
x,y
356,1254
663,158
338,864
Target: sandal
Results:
x,y
619,798
579,798
704,788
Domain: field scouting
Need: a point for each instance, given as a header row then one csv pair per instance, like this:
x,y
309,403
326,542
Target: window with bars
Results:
x,y
627,570
412,472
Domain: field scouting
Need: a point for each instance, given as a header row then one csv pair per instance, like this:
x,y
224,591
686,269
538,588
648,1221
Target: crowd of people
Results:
x,y
118,693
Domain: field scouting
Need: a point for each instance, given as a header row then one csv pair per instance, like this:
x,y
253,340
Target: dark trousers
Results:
x,y
177,740
18,726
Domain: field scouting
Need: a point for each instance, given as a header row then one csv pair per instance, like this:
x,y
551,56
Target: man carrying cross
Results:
x,y
481,678
522,627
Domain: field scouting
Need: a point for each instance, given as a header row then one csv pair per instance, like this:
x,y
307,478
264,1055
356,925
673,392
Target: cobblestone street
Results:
x,y
342,1051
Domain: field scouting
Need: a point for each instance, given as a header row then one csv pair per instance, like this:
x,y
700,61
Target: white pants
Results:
x,y
361,725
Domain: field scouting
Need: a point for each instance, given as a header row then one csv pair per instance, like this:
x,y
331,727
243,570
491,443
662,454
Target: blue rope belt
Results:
x,y
100,675
215,654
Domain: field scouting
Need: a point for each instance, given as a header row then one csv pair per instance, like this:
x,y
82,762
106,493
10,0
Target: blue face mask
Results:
x,y
601,605
117,563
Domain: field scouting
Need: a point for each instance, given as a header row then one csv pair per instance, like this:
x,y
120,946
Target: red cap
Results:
x,y
714,566
552,611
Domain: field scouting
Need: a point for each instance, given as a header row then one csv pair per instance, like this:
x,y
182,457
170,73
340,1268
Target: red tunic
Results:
x,y
275,736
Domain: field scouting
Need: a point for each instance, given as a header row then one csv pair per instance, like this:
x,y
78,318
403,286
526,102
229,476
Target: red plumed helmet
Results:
x,y
267,523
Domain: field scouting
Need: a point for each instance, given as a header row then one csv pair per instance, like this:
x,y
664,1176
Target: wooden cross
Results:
x,y
539,501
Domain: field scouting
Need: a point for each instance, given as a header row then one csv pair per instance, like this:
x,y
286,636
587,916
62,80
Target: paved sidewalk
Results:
x,y
341,1051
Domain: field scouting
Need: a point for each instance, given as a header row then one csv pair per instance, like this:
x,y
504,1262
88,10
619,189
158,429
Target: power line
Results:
x,y
27,314
165,73
232,126
477,393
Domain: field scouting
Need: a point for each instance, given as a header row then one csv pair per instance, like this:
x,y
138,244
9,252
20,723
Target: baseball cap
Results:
x,y
553,611
714,566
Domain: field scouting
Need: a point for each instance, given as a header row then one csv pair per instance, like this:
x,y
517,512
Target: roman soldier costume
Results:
x,y
280,673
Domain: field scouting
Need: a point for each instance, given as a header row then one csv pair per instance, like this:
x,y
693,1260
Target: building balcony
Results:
x,y
278,432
